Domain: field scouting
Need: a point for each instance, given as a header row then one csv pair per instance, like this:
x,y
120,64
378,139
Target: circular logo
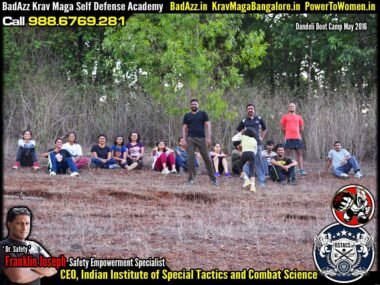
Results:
x,y
343,254
353,206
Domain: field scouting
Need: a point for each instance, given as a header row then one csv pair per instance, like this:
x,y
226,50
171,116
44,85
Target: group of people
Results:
x,y
249,158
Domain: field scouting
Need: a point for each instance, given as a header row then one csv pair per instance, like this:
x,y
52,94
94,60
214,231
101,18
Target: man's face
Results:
x,y
280,151
337,146
292,107
19,228
194,106
270,147
181,142
102,140
250,111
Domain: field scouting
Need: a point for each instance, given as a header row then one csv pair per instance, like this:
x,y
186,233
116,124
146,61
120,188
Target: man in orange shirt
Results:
x,y
291,125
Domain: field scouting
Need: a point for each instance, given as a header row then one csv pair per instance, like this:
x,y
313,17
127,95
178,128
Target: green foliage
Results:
x,y
175,57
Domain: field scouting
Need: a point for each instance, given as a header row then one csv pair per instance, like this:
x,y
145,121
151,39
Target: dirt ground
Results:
x,y
112,213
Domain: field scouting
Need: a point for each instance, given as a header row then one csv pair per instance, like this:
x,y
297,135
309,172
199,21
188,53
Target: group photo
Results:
x,y
210,140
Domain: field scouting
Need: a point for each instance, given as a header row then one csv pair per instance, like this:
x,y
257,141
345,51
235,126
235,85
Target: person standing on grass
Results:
x,y
60,160
75,150
136,150
258,124
196,132
284,167
249,149
342,162
102,154
163,158
292,125
18,222
26,154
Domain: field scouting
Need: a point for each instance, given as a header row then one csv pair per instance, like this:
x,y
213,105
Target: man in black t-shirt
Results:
x,y
15,245
284,167
258,124
196,132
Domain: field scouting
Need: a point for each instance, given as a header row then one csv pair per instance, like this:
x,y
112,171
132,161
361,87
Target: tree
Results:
x,y
175,57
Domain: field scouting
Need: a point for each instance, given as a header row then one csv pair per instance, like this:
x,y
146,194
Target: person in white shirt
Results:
x,y
268,154
342,162
26,152
75,150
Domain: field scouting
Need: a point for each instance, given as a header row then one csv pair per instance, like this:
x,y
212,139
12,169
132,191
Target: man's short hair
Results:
x,y
236,143
250,104
280,145
16,211
194,100
337,142
102,135
269,142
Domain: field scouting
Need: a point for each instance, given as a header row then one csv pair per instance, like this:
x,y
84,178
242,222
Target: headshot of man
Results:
x,y
18,223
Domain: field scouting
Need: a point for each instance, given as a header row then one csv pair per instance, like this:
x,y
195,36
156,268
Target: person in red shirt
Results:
x,y
292,125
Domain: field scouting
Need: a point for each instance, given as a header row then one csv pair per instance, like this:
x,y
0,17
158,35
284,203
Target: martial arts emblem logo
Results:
x,y
353,206
343,254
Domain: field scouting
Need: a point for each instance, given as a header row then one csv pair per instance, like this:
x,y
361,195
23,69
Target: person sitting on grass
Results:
x,y
136,150
26,154
181,157
284,167
268,154
342,162
163,158
236,161
219,160
75,150
249,150
60,160
119,154
102,154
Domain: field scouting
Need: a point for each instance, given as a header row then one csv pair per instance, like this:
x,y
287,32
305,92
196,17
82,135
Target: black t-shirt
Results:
x,y
196,124
102,152
35,250
257,123
62,155
283,160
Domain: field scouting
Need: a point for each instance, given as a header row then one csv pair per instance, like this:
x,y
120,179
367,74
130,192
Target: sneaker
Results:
x,y
292,182
174,171
252,188
74,174
247,182
228,175
262,185
358,175
283,182
17,165
214,182
92,165
181,170
36,166
113,166
165,171
302,172
190,182
132,166
217,174
53,173
343,175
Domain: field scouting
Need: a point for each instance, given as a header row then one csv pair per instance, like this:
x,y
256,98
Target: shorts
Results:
x,y
293,144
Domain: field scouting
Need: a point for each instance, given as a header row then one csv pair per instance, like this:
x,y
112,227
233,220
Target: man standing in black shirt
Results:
x,y
258,124
15,245
196,132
